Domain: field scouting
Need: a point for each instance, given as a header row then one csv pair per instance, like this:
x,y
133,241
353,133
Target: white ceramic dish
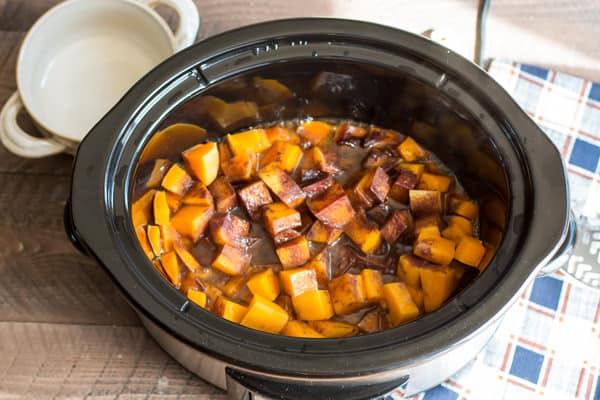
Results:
x,y
77,61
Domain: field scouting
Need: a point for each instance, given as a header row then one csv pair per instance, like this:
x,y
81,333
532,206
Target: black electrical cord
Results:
x,y
482,12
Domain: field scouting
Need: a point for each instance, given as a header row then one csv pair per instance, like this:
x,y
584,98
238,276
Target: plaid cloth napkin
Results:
x,y
548,345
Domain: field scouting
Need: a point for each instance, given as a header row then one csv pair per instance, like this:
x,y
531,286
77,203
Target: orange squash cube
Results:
x,y
284,155
231,260
254,197
279,133
197,297
314,131
334,329
428,221
198,195
424,202
400,304
373,284
453,233
321,159
314,188
186,257
438,250
162,213
429,232
155,240
252,141
191,221
363,233
374,184
300,329
379,138
176,180
230,310
282,185
285,302
264,315
410,150
405,181
241,167
278,218
141,209
409,269
294,253
428,181
202,161
395,226
320,263
174,201
142,236
332,207
417,296
313,306
321,233
347,294
298,280
285,236
371,322
470,251
438,284
172,267
169,235
416,168
264,284
345,132
223,194
461,223
229,229
463,206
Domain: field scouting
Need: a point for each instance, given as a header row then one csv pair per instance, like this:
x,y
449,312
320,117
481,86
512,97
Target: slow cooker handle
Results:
x,y
561,258
243,386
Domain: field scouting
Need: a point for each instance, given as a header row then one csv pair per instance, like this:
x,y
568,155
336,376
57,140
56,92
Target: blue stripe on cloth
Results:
x,y
440,393
546,292
585,155
526,364
535,71
595,92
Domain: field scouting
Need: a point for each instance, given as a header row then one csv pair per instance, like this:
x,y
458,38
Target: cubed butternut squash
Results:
x,y
321,264
230,310
417,296
285,302
278,217
264,284
293,253
172,267
424,202
241,167
300,329
155,240
231,260
453,233
415,168
229,229
298,280
347,294
282,185
198,297
142,236
405,181
176,180
159,169
345,132
251,141
332,207
363,233
410,150
321,233
429,232
321,159
470,251
463,206
334,329
279,133
314,131
409,269
428,181
198,195
253,197
371,321
313,306
437,284
318,186
373,284
395,226
461,223
375,185
285,236
264,315
169,235
174,201
284,155
141,209
202,161
400,304
223,194
428,221
234,286
191,221
380,138
438,250
162,212
186,257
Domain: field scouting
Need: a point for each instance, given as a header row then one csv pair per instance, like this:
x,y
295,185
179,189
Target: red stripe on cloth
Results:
x,y
552,76
587,134
597,317
583,89
566,298
588,392
580,382
530,80
506,355
547,372
454,384
539,311
524,386
565,149
581,174
592,104
532,344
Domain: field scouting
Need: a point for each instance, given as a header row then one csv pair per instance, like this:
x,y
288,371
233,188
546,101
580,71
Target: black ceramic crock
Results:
x,y
395,77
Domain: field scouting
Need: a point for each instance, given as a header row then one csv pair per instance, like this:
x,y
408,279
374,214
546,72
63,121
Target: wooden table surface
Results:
x,y
65,330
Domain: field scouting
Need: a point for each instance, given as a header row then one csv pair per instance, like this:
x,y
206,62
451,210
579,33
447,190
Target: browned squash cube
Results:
x,y
321,233
428,181
463,206
284,155
410,150
320,263
427,221
229,229
371,322
191,221
172,267
401,306
316,188
347,294
424,202
279,133
395,226
285,302
470,251
314,131
405,181
278,218
254,197
363,233
300,329
176,180
198,195
252,141
282,185
373,284
375,184
334,329
321,159
231,260
332,207
438,250
296,281
230,310
141,209
381,138
438,285
409,269
285,236
223,194
240,168
346,132
294,253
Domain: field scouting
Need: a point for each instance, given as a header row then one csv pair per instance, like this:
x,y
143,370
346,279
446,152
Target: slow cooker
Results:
x,y
337,69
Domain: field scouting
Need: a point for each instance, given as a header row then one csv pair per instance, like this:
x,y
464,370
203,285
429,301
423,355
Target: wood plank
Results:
x,y
52,361
18,15
43,277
